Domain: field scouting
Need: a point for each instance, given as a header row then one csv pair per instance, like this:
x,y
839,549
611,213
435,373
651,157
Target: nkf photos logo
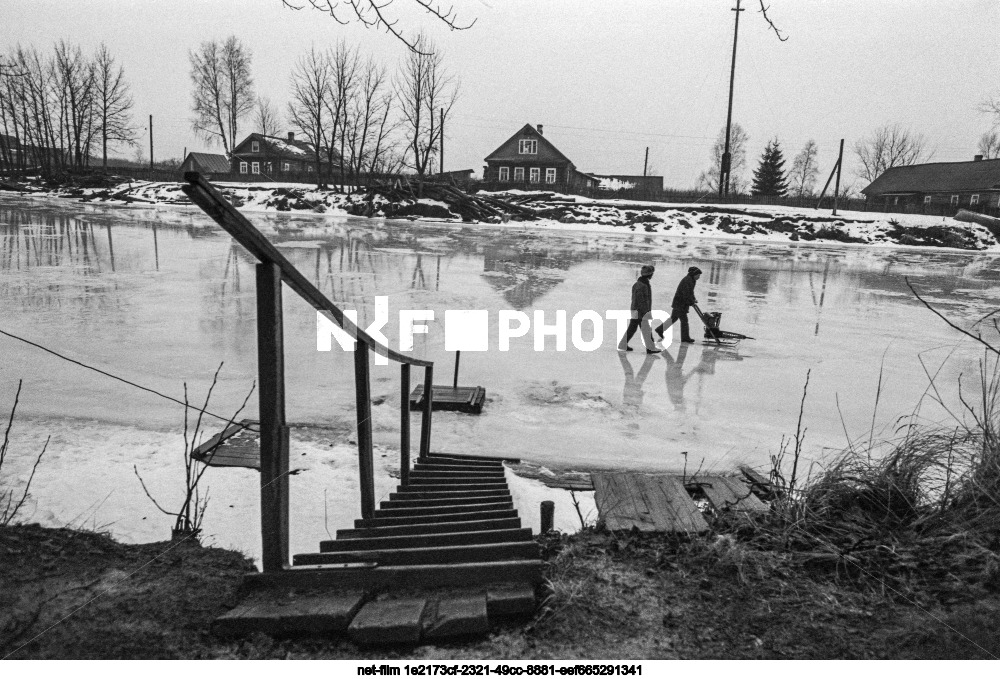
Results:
x,y
471,329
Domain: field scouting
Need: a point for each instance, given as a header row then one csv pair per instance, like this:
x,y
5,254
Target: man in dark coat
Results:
x,y
642,305
683,300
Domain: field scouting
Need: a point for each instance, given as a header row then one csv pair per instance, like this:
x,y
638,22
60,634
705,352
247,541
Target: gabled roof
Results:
x,y
282,147
973,175
508,151
209,162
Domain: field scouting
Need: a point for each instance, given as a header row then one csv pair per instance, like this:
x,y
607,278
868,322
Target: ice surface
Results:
x,y
159,296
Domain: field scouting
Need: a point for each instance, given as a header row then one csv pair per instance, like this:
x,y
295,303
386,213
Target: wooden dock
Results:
x,y
461,399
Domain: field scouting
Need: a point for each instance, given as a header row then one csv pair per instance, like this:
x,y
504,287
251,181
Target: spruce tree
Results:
x,y
769,177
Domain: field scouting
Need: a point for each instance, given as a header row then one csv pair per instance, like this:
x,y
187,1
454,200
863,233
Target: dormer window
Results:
x,y
255,147
528,146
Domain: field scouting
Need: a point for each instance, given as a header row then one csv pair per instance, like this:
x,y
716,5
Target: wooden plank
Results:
x,y
404,424
425,419
672,496
363,400
730,493
617,503
462,399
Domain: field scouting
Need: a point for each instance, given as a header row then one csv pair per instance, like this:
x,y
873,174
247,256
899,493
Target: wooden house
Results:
x,y
207,164
258,154
528,159
973,185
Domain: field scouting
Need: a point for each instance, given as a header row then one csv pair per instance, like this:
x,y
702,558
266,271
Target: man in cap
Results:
x,y
683,300
642,305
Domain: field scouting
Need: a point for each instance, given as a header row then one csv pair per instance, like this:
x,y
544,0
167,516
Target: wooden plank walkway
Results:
x,y
649,503
237,446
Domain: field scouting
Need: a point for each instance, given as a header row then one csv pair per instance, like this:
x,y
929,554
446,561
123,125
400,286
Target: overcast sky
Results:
x,y
606,78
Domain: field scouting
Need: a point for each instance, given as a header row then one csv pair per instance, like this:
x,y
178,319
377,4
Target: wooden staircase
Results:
x,y
444,556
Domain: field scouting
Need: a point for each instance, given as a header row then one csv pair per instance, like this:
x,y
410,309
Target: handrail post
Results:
x,y
454,384
366,467
404,424
273,429
425,421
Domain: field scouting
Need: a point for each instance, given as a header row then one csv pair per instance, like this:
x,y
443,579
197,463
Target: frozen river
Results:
x,y
161,297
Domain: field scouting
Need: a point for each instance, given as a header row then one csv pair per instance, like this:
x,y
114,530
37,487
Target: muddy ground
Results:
x,y
72,594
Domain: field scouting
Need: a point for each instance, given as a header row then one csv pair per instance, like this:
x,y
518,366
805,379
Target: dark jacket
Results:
x,y
642,297
684,297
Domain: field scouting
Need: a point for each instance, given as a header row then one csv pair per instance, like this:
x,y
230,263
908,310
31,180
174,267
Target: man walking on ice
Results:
x,y
642,306
683,300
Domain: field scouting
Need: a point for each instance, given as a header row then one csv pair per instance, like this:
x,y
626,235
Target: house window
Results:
x,y
255,168
550,175
954,200
528,146
896,201
519,174
927,200
309,168
504,174
534,175
255,147
974,200
243,167
286,167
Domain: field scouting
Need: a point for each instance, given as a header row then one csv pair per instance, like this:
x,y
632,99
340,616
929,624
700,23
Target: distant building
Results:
x,y
207,164
454,175
971,184
258,154
528,159
14,154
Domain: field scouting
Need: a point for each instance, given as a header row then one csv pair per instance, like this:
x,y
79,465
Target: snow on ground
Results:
x,y
559,212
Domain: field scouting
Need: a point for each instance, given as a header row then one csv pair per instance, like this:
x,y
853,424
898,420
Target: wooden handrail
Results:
x,y
205,196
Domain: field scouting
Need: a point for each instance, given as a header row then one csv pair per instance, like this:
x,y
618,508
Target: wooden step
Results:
x,y
445,462
435,518
284,613
397,578
430,528
426,540
504,551
434,457
445,501
431,511
431,487
417,473
410,494
439,480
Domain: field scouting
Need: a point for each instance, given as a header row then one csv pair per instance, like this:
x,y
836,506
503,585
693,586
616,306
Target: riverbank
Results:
x,y
559,212
73,595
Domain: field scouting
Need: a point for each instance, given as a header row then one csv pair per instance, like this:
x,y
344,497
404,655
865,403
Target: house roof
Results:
x,y
973,175
294,148
209,162
508,151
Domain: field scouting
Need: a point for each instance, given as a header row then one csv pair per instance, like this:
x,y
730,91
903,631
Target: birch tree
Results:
x,y
308,109
802,177
889,146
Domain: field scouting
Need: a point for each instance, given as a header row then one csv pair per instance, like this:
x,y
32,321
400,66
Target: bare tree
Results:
x,y
709,180
266,118
222,90
802,177
424,89
374,14
369,121
75,87
344,62
309,107
889,146
114,103
989,144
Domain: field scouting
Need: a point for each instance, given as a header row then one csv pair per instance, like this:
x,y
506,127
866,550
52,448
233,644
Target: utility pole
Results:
x,y
726,157
836,187
645,163
150,141
441,160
